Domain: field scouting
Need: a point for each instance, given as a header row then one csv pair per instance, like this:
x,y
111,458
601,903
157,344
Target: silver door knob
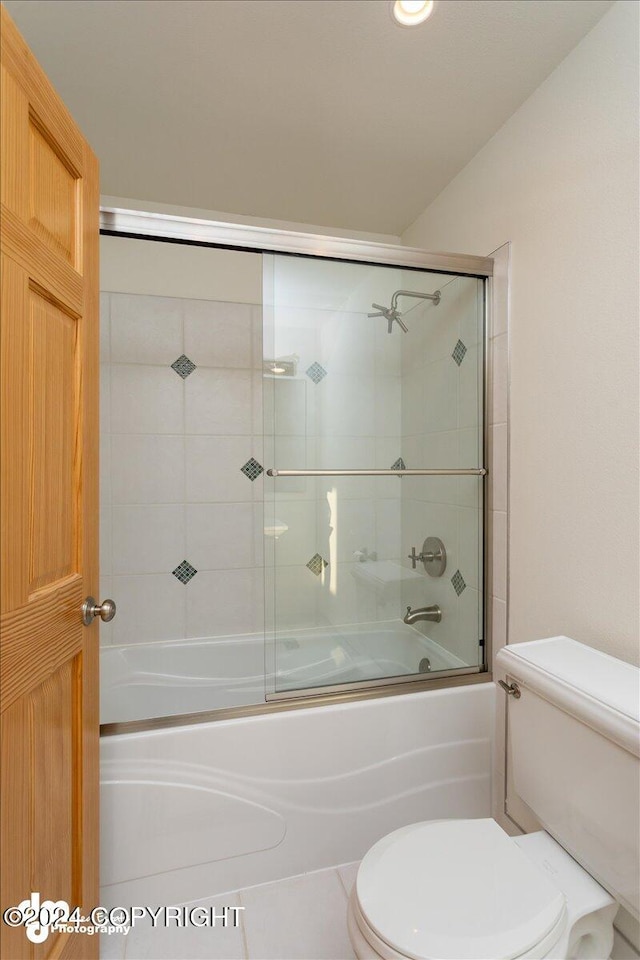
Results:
x,y
90,610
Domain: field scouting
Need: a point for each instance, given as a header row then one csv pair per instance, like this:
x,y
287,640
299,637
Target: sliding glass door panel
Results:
x,y
347,554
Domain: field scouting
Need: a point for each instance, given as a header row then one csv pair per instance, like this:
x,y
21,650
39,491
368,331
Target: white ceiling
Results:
x,y
317,111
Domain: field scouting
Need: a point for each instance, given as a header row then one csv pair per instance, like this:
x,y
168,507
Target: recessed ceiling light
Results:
x,y
409,13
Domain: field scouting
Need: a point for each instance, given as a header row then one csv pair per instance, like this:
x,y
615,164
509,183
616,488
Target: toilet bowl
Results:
x,y
465,890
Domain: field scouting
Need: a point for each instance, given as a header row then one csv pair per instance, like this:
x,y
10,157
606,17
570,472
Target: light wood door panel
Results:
x,y
53,195
48,504
54,461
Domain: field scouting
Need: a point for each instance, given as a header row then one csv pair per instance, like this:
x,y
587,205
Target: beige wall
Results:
x,y
560,181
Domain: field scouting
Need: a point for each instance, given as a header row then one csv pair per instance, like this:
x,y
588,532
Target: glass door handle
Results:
x,y
454,472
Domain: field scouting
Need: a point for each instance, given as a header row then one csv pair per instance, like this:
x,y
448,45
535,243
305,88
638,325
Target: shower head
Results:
x,y
391,314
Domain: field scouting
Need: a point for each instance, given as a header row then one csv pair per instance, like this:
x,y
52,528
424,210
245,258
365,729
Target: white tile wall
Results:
x,y
218,403
147,538
297,593
346,405
346,343
224,602
171,485
353,522
388,539
145,329
299,542
220,535
212,467
146,399
147,468
439,409
387,400
387,352
150,607
218,334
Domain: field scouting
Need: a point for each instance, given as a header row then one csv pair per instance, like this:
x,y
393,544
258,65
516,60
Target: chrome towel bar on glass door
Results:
x,y
472,472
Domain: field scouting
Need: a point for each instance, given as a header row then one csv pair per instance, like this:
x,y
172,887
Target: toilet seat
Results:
x,y
455,890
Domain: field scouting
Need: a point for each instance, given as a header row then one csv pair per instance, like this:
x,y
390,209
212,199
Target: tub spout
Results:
x,y
433,613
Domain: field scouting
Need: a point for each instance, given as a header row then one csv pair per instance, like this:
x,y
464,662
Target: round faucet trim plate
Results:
x,y
434,556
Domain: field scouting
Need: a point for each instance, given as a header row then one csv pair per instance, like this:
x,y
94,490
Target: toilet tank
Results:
x,y
573,749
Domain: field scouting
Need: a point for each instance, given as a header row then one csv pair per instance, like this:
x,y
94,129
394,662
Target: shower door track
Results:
x,y
144,225
318,697
118,221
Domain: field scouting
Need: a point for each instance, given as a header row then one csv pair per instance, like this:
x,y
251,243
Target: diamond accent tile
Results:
x,y
183,366
458,583
316,372
184,572
458,352
252,469
398,464
317,564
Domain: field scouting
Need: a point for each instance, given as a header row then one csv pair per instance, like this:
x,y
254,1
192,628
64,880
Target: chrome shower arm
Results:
x,y
435,297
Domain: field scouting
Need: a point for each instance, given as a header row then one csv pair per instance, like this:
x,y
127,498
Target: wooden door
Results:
x,y
49,504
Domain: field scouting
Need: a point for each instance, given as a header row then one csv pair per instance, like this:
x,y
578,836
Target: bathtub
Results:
x,y
198,810
144,680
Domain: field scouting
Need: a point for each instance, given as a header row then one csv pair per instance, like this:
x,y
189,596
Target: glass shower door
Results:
x,y
374,490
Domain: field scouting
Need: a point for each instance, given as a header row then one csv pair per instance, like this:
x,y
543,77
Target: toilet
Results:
x,y
465,889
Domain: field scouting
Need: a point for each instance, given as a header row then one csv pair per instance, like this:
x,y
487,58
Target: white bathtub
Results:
x,y
145,680
195,811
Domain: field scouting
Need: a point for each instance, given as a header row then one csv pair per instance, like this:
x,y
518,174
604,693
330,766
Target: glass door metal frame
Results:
x,y
144,225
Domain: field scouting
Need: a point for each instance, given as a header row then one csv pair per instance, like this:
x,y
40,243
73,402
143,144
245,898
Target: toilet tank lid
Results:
x,y
593,686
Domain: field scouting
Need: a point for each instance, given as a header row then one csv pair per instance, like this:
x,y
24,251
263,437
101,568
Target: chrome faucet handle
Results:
x,y
422,557
433,556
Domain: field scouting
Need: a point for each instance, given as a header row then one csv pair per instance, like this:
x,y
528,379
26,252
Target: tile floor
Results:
x,y
299,918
